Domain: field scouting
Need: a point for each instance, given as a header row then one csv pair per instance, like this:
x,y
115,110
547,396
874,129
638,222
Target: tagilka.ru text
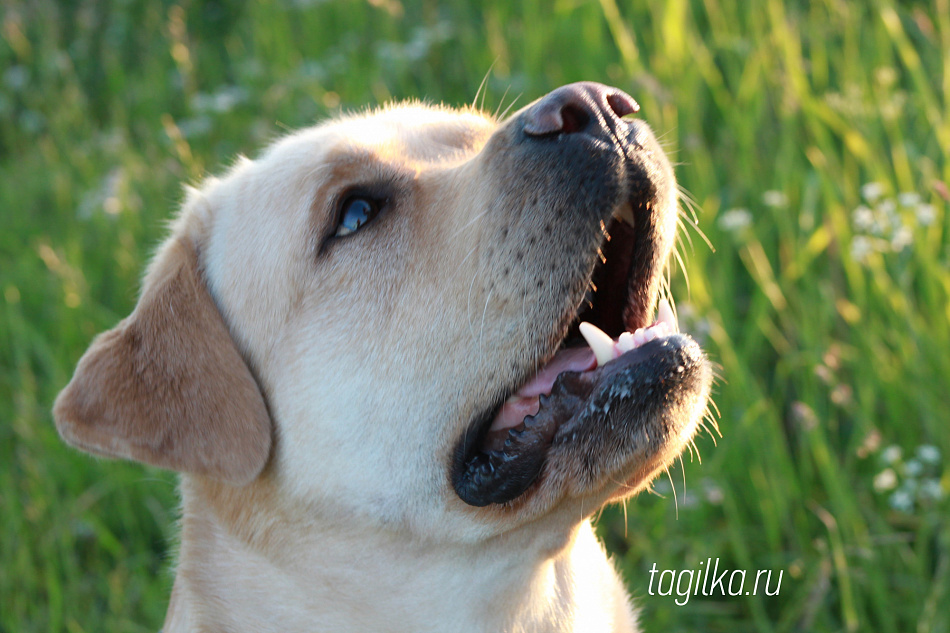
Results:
x,y
709,580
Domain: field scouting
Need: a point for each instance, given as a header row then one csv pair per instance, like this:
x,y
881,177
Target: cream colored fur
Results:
x,y
311,392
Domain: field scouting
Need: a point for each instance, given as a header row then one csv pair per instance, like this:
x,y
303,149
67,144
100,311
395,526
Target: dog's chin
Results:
x,y
590,428
615,425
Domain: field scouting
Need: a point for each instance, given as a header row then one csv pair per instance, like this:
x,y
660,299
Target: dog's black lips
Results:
x,y
604,401
483,476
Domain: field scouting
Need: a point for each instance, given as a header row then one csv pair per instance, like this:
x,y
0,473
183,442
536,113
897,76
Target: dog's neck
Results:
x,y
236,575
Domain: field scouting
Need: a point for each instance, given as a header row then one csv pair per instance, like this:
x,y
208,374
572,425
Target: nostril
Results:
x,y
573,119
622,104
578,108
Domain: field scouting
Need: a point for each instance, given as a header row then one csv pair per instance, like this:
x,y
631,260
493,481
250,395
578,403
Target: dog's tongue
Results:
x,y
526,400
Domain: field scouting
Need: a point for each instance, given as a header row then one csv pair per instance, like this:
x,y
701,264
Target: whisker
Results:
x,y
664,141
689,447
682,265
714,422
482,86
511,105
688,212
481,330
477,217
468,303
624,504
682,233
689,202
676,503
500,103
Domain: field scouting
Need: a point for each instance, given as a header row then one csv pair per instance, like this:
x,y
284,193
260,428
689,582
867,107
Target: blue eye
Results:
x,y
355,213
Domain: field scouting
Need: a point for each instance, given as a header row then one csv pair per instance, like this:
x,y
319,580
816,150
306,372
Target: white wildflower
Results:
x,y
885,480
928,454
861,247
888,208
735,220
713,492
891,454
902,501
908,198
903,237
863,218
926,214
931,489
773,198
913,468
224,100
872,191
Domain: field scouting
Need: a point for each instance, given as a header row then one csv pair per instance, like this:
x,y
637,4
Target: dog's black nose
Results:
x,y
578,108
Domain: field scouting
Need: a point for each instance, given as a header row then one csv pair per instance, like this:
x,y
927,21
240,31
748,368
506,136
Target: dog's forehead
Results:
x,y
270,214
408,133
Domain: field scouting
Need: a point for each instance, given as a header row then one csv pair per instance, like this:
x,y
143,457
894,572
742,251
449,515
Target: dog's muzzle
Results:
x,y
602,395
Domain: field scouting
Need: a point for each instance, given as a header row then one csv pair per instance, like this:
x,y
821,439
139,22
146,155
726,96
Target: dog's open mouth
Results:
x,y
504,452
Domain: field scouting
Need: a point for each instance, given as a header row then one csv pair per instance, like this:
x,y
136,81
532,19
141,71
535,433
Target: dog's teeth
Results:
x,y
625,342
601,344
639,337
625,213
664,314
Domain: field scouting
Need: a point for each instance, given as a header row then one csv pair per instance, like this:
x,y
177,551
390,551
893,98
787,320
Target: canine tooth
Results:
x,y
664,314
601,344
625,213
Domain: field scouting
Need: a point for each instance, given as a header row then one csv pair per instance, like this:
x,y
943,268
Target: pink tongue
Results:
x,y
525,401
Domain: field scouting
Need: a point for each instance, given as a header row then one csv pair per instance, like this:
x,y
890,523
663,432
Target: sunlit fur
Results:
x,y
374,353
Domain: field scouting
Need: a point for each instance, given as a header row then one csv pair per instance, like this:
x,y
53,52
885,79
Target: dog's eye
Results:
x,y
356,212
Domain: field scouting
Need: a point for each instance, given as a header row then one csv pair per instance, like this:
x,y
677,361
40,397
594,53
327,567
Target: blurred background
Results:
x,y
812,139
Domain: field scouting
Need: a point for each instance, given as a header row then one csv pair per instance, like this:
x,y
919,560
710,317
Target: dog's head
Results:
x,y
378,318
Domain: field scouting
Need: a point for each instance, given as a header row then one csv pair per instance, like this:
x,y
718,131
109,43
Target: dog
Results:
x,y
364,352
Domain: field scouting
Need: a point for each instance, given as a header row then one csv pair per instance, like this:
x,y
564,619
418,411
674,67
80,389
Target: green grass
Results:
x,y
830,326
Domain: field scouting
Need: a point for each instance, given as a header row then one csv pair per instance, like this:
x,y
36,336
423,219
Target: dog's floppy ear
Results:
x,y
167,386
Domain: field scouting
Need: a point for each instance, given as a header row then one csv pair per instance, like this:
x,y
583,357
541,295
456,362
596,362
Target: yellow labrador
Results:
x,y
363,351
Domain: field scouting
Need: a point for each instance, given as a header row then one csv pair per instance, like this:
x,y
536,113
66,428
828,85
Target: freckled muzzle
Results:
x,y
604,188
